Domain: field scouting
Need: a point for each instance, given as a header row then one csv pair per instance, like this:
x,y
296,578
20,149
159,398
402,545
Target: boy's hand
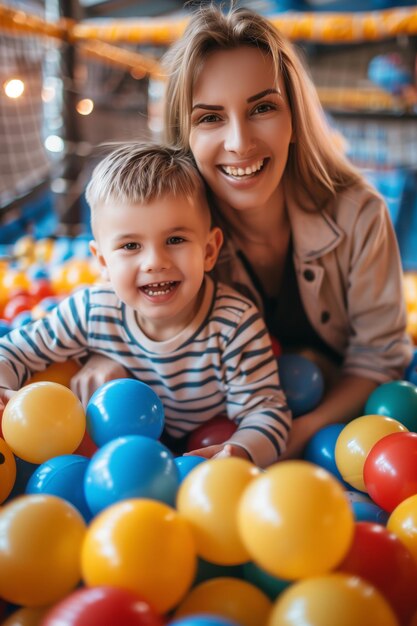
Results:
x,y
97,371
220,451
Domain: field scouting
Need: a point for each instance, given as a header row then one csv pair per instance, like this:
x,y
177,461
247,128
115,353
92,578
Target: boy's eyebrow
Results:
x,y
257,96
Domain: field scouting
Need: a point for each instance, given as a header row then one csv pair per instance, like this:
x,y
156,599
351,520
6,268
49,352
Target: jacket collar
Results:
x,y
314,231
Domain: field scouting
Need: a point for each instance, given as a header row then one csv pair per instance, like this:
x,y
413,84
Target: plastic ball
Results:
x,y
41,537
302,382
97,606
62,476
228,598
73,273
295,520
124,407
378,556
7,470
219,484
4,327
320,449
329,600
144,546
18,304
87,446
130,467
60,373
25,617
390,470
356,440
396,399
202,620
43,420
403,523
389,72
410,374
271,585
185,464
216,430
369,512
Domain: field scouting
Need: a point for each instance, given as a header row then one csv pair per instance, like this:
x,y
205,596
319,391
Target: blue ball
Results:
x,y
320,450
131,467
410,373
369,512
187,463
124,407
203,620
302,382
62,476
4,328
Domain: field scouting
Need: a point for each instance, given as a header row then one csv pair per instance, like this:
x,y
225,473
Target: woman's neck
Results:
x,y
263,226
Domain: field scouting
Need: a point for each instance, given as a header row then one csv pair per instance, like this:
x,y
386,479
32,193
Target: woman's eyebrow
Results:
x,y
262,94
208,107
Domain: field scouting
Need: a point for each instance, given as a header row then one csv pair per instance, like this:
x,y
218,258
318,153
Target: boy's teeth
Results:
x,y
240,171
159,289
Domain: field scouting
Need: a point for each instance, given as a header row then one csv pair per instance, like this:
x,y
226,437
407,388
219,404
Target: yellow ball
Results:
x,y
141,545
41,538
403,523
355,442
208,498
231,598
61,373
335,599
7,470
43,420
295,520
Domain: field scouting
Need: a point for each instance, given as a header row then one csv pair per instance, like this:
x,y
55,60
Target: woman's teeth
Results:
x,y
243,171
159,289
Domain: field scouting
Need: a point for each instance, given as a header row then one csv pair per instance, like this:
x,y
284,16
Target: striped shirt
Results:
x,y
221,363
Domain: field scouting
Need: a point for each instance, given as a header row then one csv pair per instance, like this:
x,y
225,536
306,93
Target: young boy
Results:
x,y
202,347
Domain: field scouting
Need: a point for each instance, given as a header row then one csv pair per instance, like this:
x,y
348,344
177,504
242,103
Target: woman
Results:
x,y
305,236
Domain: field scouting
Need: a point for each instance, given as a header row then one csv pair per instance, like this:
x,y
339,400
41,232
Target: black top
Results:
x,y
285,316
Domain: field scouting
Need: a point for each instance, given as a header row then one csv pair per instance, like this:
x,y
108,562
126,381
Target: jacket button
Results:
x,y
309,275
325,316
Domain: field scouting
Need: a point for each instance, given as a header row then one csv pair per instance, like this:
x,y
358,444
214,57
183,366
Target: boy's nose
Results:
x,y
154,261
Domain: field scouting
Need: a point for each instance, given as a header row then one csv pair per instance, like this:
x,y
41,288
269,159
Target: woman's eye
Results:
x,y
264,108
131,246
174,241
208,119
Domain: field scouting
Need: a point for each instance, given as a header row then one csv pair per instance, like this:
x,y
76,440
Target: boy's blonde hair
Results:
x,y
314,163
142,172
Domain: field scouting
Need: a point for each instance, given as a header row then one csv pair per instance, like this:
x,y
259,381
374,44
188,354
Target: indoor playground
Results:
x,y
101,522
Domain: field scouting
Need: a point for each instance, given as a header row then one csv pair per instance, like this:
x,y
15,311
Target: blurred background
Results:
x,y
77,73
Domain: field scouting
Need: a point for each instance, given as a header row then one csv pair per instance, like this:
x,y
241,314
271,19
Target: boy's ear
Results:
x,y
95,251
214,243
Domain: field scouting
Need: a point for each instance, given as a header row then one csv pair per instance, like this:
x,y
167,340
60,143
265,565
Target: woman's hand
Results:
x,y
97,371
220,451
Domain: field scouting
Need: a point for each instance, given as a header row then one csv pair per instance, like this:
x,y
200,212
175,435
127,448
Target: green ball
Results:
x,y
396,399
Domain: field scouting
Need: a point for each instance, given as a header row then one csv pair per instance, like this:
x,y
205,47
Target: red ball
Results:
x,y
215,431
18,304
41,289
379,556
96,606
390,470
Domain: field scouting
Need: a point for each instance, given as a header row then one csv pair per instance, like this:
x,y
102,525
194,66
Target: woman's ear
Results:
x,y
213,245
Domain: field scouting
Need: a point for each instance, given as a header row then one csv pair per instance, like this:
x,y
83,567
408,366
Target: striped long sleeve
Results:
x,y
222,363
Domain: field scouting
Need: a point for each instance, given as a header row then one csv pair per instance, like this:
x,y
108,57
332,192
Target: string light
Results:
x,y
14,88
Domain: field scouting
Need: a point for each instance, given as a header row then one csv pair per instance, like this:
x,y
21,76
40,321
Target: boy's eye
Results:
x,y
173,241
131,246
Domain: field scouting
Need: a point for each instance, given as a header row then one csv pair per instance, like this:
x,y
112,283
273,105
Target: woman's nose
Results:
x,y
238,137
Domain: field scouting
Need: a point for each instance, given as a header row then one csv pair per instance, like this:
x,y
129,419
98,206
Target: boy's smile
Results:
x,y
156,255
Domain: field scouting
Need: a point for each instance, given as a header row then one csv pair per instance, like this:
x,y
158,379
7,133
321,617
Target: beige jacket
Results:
x,y
349,274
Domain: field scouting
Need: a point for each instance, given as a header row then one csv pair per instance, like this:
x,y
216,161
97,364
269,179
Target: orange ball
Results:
x,y
61,373
7,470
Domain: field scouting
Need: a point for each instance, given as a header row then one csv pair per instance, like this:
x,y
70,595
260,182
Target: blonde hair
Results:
x,y
314,163
142,172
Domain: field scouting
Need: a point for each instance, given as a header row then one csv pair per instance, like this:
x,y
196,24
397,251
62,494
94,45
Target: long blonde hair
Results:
x,y
318,168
